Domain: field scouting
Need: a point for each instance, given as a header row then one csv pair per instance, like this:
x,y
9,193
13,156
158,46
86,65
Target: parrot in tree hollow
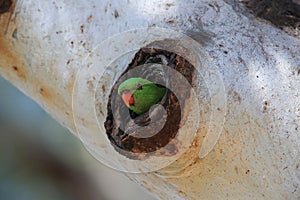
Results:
x,y
140,94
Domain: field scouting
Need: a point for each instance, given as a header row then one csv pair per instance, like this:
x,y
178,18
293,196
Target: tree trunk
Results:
x,y
249,149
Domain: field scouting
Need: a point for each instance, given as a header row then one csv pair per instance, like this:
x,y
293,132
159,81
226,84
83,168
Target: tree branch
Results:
x,y
44,44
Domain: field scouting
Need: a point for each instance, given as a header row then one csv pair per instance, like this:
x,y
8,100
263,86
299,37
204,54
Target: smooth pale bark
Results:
x,y
43,44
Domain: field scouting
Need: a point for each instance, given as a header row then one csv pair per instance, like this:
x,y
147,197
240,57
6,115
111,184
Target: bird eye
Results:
x,y
139,87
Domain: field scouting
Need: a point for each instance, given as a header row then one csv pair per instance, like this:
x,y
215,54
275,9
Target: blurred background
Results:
x,y
40,159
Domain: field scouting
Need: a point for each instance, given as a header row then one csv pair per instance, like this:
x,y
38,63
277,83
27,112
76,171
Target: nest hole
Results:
x,y
121,130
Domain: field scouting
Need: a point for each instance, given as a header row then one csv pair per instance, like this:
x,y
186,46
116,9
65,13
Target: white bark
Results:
x,y
43,44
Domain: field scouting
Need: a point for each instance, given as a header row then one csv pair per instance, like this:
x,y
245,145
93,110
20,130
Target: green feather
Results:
x,y
145,97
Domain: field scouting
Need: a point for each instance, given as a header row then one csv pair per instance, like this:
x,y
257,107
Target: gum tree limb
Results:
x,y
42,45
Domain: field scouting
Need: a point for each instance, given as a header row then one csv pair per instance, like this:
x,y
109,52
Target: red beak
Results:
x,y
128,99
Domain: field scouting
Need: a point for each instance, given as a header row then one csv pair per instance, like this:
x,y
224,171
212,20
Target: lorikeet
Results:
x,y
140,94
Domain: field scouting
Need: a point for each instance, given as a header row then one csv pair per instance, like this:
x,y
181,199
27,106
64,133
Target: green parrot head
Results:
x,y
140,94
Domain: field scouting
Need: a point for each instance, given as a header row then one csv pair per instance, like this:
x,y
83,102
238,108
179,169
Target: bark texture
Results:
x,y
43,44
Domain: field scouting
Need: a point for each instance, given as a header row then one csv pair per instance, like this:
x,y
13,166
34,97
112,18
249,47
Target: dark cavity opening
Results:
x,y
121,130
5,5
